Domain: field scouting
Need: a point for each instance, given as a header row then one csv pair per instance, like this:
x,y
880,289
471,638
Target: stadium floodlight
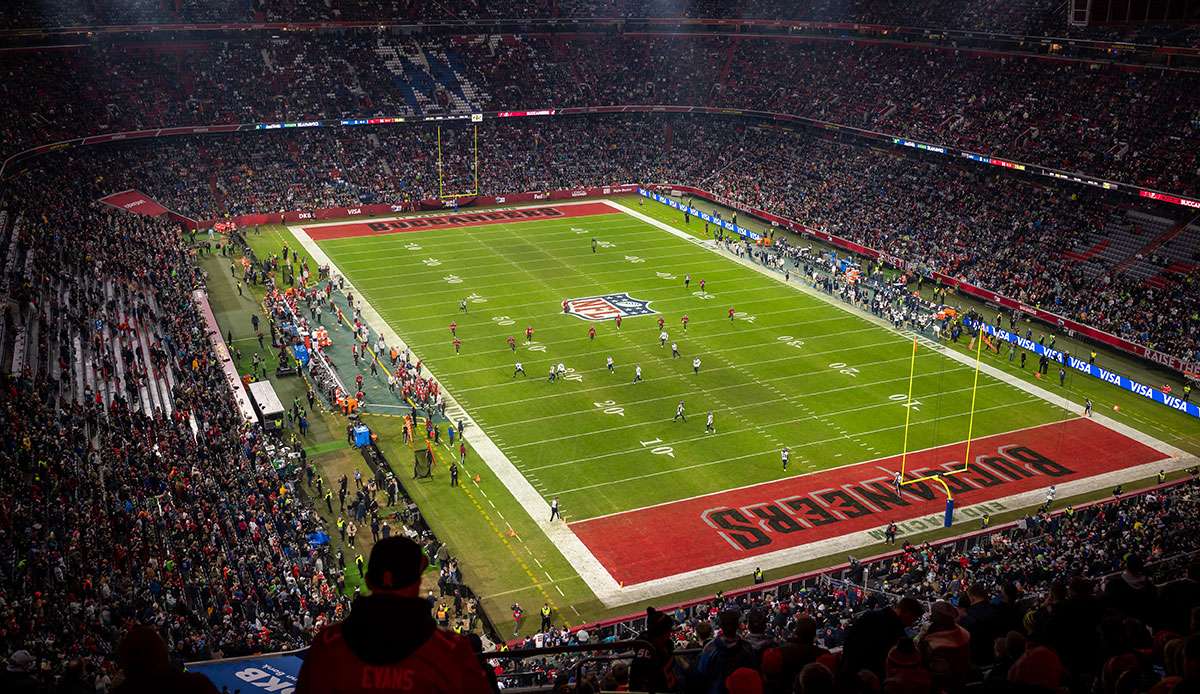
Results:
x,y
442,194
939,477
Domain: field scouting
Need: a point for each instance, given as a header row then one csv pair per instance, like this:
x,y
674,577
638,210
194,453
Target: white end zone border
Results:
x,y
598,579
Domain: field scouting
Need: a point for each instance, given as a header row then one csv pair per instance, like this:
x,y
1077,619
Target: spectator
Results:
x,y
17,677
874,633
1131,592
390,641
147,667
946,647
983,620
724,654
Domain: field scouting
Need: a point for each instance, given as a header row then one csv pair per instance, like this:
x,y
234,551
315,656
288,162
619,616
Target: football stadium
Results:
x,y
661,346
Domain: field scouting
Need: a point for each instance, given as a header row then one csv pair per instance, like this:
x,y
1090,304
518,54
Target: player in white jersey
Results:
x,y
674,351
708,424
696,365
785,454
679,413
637,373
611,367
662,339
518,369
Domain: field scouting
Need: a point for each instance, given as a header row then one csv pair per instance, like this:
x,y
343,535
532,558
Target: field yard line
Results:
x,y
555,239
560,358
716,368
540,303
1037,391
300,226
736,385
738,431
644,264
598,221
650,328
771,451
597,578
827,469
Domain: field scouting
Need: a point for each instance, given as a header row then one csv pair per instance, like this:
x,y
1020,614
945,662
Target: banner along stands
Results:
x,y
1083,366
1174,363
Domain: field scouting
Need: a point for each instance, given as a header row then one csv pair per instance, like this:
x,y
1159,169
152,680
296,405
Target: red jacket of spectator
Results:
x,y
390,644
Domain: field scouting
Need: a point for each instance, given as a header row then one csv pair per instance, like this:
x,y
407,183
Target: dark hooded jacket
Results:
x,y
390,644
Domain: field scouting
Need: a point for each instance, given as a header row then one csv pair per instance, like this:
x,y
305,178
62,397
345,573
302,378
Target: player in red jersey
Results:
x,y
529,332
591,332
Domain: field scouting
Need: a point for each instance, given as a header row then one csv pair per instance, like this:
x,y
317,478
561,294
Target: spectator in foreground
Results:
x,y
17,677
724,654
148,670
873,634
390,641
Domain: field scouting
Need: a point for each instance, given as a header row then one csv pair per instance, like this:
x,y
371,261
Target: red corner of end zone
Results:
x,y
644,544
456,220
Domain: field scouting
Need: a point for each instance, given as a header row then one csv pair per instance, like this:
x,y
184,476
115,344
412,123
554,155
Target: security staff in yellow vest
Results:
x,y
545,618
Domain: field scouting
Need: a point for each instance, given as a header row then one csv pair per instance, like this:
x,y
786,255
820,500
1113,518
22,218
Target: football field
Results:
x,y
650,495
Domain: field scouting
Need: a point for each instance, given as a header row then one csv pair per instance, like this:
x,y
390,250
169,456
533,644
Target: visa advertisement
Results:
x,y
1082,366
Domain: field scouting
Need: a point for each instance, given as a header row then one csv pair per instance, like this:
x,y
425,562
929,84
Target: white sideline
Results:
x,y
598,579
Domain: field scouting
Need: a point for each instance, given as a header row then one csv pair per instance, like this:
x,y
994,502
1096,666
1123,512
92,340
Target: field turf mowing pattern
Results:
x,y
789,370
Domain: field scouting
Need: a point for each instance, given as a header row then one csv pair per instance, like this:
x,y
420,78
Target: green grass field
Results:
x,y
789,370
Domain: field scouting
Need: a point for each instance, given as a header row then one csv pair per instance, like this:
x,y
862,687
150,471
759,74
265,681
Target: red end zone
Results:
x,y
450,221
659,541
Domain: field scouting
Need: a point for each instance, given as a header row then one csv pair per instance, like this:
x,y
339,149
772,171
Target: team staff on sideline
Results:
x,y
390,641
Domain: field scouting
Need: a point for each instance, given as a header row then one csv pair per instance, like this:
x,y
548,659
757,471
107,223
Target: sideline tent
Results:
x,y
273,672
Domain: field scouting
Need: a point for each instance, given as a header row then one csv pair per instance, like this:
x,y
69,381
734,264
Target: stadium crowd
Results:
x,y
182,519
1026,17
1131,125
1056,602
996,231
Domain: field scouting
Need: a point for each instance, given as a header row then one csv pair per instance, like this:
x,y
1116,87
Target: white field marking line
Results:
x,y
566,393
573,327
542,226
593,573
532,586
562,358
853,387
880,459
510,308
808,444
300,226
615,255
752,427
453,247
993,372
384,277
553,238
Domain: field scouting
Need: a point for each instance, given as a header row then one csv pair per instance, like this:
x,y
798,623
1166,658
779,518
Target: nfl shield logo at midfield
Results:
x,y
608,307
